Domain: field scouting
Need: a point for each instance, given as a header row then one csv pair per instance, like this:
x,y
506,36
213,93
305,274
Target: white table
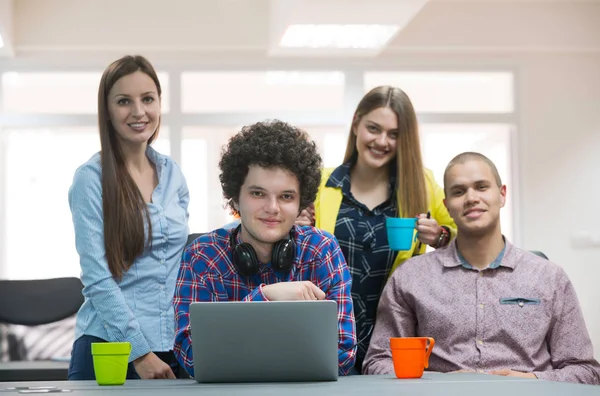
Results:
x,y
459,384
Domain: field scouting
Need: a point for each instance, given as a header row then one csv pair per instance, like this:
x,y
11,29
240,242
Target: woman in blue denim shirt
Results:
x,y
129,206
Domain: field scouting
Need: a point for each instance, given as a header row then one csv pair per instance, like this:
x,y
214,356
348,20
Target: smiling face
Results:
x,y
134,108
474,199
269,202
376,137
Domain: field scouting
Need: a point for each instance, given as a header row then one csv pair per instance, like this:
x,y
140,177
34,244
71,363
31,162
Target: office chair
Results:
x,y
538,253
192,237
40,301
34,303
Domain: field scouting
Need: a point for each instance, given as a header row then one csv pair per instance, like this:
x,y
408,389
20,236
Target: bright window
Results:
x,y
334,148
39,154
39,166
200,155
244,92
59,92
451,92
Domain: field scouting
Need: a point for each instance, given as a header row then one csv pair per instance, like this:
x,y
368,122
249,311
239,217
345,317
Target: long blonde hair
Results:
x,y
411,189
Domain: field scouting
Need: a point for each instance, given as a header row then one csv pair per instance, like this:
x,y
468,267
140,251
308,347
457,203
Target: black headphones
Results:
x,y
246,262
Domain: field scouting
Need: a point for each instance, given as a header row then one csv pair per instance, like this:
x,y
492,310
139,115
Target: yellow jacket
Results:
x,y
329,200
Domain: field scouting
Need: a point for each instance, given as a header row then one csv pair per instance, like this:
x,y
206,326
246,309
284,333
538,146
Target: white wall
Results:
x,y
560,162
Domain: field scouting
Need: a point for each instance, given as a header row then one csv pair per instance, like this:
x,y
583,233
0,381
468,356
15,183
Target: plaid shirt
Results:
x,y
362,236
207,273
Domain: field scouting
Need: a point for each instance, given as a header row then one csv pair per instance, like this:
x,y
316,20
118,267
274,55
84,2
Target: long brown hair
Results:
x,y
124,208
411,189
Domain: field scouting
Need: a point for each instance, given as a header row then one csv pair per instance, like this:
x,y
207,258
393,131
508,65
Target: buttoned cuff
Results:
x,y
139,347
257,294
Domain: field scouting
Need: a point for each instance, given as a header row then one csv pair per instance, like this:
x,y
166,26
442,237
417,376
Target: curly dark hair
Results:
x,y
270,144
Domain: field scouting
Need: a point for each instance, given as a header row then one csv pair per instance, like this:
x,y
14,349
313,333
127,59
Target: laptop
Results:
x,y
273,341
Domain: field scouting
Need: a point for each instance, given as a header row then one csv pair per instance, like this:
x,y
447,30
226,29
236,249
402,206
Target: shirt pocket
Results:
x,y
520,301
526,320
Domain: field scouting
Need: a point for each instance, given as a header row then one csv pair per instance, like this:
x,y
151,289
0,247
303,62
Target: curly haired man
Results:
x,y
270,171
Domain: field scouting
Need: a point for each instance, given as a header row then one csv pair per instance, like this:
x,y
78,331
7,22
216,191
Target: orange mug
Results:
x,y
411,355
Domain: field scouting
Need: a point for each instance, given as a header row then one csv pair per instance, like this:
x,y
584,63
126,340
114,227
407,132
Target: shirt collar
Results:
x,y
340,178
157,159
502,260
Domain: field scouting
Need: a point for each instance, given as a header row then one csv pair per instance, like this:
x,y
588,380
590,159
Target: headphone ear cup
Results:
x,y
245,260
283,255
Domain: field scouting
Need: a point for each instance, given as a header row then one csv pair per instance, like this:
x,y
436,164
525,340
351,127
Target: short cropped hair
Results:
x,y
470,156
270,144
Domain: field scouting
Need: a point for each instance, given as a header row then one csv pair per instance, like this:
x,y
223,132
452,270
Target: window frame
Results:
x,y
177,120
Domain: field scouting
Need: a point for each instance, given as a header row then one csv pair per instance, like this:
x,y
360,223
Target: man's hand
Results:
x,y
307,216
290,291
512,373
150,366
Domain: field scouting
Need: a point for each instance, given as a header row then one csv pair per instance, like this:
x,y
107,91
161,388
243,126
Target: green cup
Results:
x,y
110,362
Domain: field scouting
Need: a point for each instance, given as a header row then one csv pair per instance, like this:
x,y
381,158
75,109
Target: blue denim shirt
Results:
x,y
138,308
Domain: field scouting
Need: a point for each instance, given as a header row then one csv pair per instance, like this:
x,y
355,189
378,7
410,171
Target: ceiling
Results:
x,y
252,28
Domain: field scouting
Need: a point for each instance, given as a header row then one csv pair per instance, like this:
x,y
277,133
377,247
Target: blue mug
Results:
x,y
401,232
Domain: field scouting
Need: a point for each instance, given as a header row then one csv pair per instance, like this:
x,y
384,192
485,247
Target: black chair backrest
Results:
x,y
40,301
192,237
538,253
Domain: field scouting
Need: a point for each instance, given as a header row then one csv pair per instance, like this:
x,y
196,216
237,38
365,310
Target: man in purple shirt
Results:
x,y
491,307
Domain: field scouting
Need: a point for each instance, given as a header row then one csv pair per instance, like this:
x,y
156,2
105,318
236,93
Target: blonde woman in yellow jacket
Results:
x,y
382,176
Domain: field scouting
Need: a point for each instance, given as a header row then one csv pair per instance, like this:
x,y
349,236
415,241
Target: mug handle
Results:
x,y
428,351
416,233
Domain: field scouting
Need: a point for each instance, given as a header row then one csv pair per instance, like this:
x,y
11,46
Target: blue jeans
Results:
x,y
81,366
354,371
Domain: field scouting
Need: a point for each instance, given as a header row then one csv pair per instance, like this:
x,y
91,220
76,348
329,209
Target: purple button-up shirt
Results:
x,y
520,313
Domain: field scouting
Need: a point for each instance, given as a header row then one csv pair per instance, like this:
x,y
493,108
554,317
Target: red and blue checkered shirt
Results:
x,y
207,273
